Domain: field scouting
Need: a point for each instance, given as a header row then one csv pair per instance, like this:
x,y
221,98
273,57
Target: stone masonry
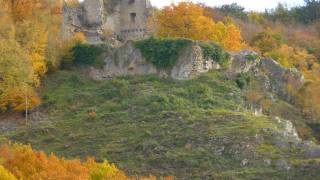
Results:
x,y
123,19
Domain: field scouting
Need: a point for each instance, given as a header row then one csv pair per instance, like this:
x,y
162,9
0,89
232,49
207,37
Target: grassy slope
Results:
x,y
151,126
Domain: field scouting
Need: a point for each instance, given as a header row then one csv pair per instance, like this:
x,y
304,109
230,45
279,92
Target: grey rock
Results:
x,y
244,162
283,165
281,80
128,60
311,150
240,62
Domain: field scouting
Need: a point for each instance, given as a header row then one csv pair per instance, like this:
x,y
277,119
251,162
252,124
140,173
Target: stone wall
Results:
x,y
133,18
123,19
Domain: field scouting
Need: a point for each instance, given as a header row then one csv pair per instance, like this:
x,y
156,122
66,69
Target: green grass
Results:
x,y
148,125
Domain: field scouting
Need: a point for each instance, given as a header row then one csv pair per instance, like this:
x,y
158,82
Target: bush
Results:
x,y
243,79
88,54
214,52
162,52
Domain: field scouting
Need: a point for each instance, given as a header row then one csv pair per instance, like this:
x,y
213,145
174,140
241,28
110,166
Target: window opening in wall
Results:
x,y
133,17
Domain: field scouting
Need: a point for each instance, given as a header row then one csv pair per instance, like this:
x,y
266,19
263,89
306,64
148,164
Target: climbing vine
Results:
x,y
162,52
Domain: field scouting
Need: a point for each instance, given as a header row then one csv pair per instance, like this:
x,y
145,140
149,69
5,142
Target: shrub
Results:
x,y
92,114
67,57
243,79
88,54
267,41
214,52
162,52
122,87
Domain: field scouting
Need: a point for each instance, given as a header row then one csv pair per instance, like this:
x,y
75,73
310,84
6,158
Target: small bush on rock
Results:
x,y
243,79
214,52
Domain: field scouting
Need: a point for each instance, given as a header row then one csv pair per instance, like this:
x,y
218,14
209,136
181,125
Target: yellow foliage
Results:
x,y
256,17
104,171
291,57
24,37
310,104
6,175
16,85
189,20
72,3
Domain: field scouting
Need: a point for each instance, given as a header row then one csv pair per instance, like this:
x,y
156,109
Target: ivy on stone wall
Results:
x,y
162,52
87,54
214,52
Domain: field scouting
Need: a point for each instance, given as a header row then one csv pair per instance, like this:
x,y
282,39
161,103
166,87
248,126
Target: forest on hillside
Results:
x,y
32,49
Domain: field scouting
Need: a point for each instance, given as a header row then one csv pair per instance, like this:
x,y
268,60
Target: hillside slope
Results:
x,y
195,129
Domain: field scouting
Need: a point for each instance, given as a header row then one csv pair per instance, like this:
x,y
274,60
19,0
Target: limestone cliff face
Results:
x,y
275,78
128,60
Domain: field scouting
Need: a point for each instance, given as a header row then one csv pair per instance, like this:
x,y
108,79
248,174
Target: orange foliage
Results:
x,y
25,163
189,20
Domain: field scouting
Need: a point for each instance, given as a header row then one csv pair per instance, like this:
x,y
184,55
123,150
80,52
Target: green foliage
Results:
x,y
243,79
252,57
214,52
308,13
162,52
233,10
88,54
267,41
160,122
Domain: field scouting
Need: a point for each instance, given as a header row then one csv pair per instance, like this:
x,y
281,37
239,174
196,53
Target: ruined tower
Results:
x,y
126,19
134,16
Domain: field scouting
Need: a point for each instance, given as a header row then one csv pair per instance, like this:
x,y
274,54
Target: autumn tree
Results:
x,y
16,83
267,41
29,41
25,163
188,20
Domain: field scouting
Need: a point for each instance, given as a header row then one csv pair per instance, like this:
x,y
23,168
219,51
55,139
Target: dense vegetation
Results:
x,y
22,162
87,54
148,125
194,129
162,52
214,52
189,20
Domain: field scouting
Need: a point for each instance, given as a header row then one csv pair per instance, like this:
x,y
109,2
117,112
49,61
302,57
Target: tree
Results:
x,y
308,13
188,20
267,41
233,10
16,83
32,36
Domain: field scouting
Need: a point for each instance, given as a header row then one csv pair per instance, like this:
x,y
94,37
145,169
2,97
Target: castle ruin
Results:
x,y
121,19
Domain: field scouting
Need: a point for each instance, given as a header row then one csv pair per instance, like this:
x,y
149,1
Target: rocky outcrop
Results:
x,y
243,61
275,78
123,61
282,81
128,60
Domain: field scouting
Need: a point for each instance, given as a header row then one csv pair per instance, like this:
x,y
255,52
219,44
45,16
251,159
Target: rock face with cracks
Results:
x,y
128,60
